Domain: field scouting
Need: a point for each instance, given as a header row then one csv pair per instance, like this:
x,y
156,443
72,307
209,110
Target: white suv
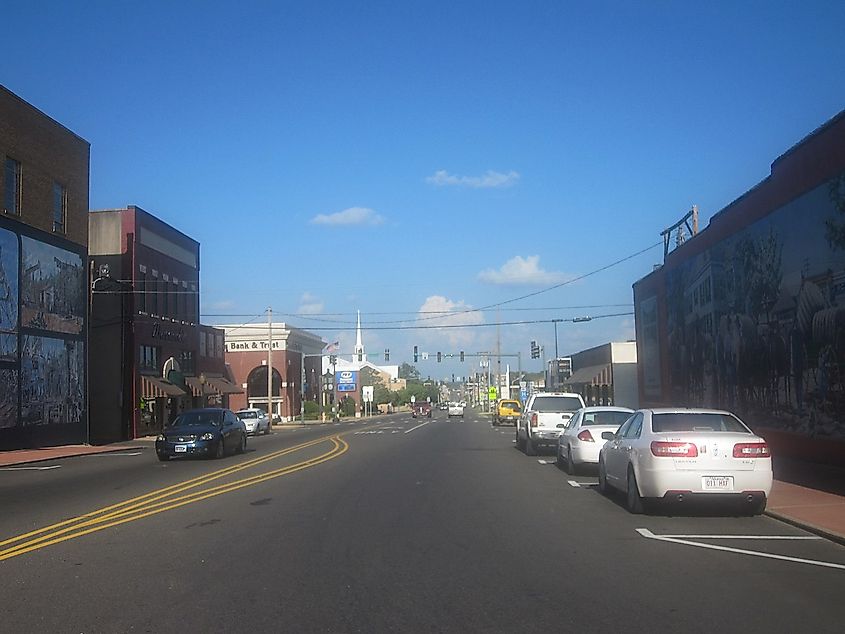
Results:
x,y
545,416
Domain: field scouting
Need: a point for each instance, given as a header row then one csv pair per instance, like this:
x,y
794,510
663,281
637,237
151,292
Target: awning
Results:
x,y
194,384
591,375
154,387
223,385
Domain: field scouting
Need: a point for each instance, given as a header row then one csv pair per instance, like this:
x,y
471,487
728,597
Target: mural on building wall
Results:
x,y
52,292
52,372
8,296
756,324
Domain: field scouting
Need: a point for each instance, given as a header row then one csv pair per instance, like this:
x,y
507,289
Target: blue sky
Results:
x,y
398,157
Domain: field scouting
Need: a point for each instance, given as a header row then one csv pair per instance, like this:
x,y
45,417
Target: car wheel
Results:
x,y
163,457
221,449
571,467
559,459
602,478
757,507
530,449
519,443
242,444
633,500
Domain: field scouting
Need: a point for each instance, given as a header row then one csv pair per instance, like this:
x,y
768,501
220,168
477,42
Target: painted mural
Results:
x,y
52,372
8,296
52,289
756,324
8,397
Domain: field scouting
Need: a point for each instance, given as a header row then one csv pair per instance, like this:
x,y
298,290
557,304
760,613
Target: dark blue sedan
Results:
x,y
211,432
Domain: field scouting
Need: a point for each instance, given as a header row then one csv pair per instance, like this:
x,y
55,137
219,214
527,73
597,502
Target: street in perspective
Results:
x,y
422,317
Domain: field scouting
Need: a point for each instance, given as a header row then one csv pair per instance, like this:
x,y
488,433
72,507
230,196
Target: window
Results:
x,y
186,361
165,295
696,422
142,291
635,427
152,292
148,357
59,207
12,187
193,298
218,346
203,348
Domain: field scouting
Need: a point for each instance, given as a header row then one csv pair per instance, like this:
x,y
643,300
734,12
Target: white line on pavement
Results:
x,y
793,537
134,453
55,466
418,426
573,483
741,551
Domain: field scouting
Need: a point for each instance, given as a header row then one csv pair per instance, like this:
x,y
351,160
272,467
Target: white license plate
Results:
x,y
180,448
717,483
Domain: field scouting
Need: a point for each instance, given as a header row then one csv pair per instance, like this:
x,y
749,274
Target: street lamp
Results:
x,y
203,381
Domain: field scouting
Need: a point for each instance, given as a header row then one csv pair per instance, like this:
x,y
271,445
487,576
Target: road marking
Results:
x,y
741,551
573,483
541,461
55,466
793,537
134,453
418,426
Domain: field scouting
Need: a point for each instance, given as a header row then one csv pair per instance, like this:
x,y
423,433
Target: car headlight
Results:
x,y
208,436
161,438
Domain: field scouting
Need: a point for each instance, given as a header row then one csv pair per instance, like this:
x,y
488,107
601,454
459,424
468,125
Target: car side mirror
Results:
x,y
608,435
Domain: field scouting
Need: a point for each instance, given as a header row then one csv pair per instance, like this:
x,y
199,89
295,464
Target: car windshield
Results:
x,y
195,419
556,404
245,415
606,417
696,422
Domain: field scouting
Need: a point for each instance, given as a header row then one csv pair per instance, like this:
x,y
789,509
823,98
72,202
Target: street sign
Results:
x,y
523,394
413,398
367,393
492,394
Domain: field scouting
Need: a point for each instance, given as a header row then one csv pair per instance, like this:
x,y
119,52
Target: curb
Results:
x,y
71,455
807,526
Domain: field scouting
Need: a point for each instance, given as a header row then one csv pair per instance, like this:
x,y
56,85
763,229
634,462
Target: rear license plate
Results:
x,y
717,483
180,448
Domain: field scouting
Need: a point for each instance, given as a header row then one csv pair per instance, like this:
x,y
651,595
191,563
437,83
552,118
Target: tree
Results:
x,y
409,372
380,392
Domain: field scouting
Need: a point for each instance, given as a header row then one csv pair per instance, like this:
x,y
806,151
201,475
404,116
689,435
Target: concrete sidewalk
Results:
x,y
817,505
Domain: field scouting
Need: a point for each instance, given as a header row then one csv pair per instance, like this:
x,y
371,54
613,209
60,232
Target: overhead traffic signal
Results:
x,y
535,350
416,355
462,356
387,354
439,357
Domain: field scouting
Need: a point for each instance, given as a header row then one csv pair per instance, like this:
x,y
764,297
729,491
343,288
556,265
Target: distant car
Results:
x,y
210,432
680,454
443,406
255,420
580,441
456,409
507,411
420,409
545,416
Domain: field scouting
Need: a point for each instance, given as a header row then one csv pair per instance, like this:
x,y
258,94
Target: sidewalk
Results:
x,y
811,497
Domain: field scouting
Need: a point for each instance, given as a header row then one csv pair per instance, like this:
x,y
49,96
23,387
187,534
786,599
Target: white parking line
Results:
x,y
418,426
741,551
55,466
134,453
573,483
794,537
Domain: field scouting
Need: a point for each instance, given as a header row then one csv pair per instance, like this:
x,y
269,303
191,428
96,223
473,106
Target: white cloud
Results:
x,y
488,179
310,304
453,314
351,216
522,271
224,304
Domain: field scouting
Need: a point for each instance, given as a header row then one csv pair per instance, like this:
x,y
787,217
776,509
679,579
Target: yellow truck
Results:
x,y
507,412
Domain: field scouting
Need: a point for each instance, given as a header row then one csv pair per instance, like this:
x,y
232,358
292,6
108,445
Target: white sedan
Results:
x,y
678,454
580,441
255,420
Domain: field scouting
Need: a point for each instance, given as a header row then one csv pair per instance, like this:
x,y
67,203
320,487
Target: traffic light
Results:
x,y
535,350
462,356
332,359
439,357
416,355
387,354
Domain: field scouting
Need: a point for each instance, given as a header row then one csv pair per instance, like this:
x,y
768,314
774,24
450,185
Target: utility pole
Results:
x,y
302,388
270,364
498,357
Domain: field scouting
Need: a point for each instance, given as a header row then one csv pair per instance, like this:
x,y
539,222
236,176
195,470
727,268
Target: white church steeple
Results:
x,y
360,355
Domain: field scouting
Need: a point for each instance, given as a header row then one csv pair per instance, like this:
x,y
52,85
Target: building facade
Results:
x,y
150,357
605,375
43,280
749,314
294,357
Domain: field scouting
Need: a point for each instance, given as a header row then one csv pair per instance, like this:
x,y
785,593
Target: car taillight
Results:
x,y
586,436
752,450
666,449
534,419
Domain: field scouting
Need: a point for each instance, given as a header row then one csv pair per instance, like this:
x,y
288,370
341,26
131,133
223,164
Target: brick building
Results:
x,y
150,357
43,288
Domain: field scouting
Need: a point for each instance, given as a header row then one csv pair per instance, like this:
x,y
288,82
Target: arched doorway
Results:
x,y
256,389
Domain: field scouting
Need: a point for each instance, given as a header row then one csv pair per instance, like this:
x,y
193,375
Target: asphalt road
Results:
x,y
387,526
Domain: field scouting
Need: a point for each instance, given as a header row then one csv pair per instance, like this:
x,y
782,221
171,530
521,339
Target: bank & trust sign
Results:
x,y
250,346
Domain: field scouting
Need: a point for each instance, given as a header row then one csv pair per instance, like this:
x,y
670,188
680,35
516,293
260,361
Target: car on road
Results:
x,y
507,411
421,409
545,415
676,455
456,409
580,441
255,420
211,432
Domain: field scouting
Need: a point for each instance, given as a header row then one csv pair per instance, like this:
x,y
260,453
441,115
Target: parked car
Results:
x,y
456,409
545,415
255,420
420,409
679,454
210,432
580,441
507,411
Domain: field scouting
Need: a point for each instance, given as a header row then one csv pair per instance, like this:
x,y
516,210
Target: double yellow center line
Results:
x,y
166,499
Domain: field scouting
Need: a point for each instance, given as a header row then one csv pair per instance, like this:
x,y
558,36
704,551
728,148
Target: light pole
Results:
x,y
203,381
